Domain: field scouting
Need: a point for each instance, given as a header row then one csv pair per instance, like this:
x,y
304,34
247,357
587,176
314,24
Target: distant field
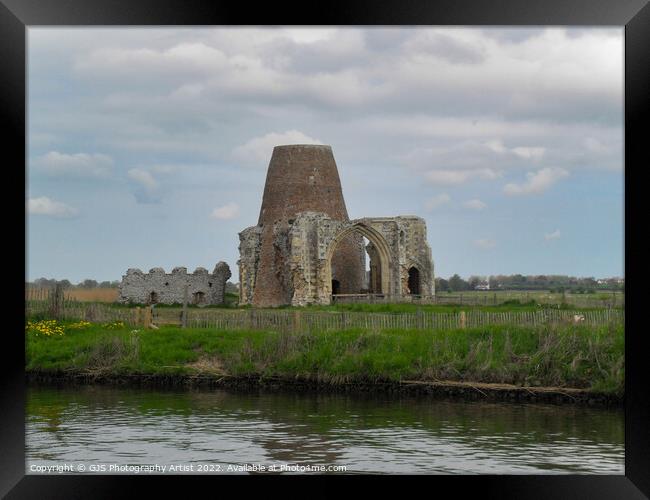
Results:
x,y
93,294
80,294
543,296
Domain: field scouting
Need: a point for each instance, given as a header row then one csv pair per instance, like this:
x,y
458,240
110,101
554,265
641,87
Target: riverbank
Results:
x,y
515,362
474,391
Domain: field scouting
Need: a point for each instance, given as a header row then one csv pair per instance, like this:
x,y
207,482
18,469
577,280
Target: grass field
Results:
x,y
563,356
413,308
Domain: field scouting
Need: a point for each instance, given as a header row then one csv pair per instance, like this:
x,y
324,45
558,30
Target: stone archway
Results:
x,y
381,250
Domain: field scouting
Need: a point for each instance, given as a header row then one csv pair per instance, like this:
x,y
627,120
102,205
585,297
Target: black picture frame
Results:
x,y
17,15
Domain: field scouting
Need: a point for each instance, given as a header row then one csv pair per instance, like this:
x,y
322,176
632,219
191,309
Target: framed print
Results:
x,y
395,239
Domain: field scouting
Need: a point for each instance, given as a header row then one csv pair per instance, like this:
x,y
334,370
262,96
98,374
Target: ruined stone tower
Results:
x,y
305,250
300,178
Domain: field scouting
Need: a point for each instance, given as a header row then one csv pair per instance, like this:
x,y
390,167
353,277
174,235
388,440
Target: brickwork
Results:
x,y
299,178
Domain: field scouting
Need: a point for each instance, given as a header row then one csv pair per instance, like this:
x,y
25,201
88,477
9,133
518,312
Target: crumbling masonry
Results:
x,y
304,248
156,287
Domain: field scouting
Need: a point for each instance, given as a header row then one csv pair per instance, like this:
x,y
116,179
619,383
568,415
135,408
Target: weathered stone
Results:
x,y
299,178
157,287
305,244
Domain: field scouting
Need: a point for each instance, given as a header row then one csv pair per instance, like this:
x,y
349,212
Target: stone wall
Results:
x,y
249,257
158,287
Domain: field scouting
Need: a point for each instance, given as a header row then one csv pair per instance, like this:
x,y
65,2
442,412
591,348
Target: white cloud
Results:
x,y
309,35
229,211
451,177
437,201
192,58
529,153
49,207
475,204
536,182
525,152
258,150
144,178
552,236
484,243
75,165
148,188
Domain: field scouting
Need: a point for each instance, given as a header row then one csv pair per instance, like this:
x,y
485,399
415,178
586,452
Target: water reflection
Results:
x,y
367,434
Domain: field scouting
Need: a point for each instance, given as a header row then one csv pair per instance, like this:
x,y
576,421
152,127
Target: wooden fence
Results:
x,y
602,299
55,305
322,321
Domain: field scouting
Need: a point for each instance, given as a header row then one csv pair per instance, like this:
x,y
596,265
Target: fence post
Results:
x,y
148,313
297,321
56,302
463,319
184,313
136,316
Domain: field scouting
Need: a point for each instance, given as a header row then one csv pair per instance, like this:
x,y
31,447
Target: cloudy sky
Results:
x,y
149,147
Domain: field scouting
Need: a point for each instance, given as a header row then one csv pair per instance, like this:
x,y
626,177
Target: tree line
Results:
x,y
554,283
66,284
87,284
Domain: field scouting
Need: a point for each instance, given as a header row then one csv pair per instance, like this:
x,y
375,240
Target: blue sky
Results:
x,y
149,147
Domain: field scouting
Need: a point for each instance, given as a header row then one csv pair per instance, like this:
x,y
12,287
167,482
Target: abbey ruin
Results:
x,y
305,249
157,287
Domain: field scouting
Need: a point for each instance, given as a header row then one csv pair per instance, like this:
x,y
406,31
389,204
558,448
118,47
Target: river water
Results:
x,y
105,430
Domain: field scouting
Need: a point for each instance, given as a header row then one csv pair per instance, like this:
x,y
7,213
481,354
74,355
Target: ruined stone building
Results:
x,y
157,287
304,248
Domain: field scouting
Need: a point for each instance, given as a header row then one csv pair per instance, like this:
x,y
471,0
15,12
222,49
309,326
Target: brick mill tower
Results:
x,y
300,178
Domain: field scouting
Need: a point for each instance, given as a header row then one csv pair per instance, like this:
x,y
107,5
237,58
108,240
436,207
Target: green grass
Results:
x,y
413,308
565,356
512,305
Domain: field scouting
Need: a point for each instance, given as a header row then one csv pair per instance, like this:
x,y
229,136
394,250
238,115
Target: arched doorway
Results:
x,y
414,281
336,287
198,298
348,264
379,254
